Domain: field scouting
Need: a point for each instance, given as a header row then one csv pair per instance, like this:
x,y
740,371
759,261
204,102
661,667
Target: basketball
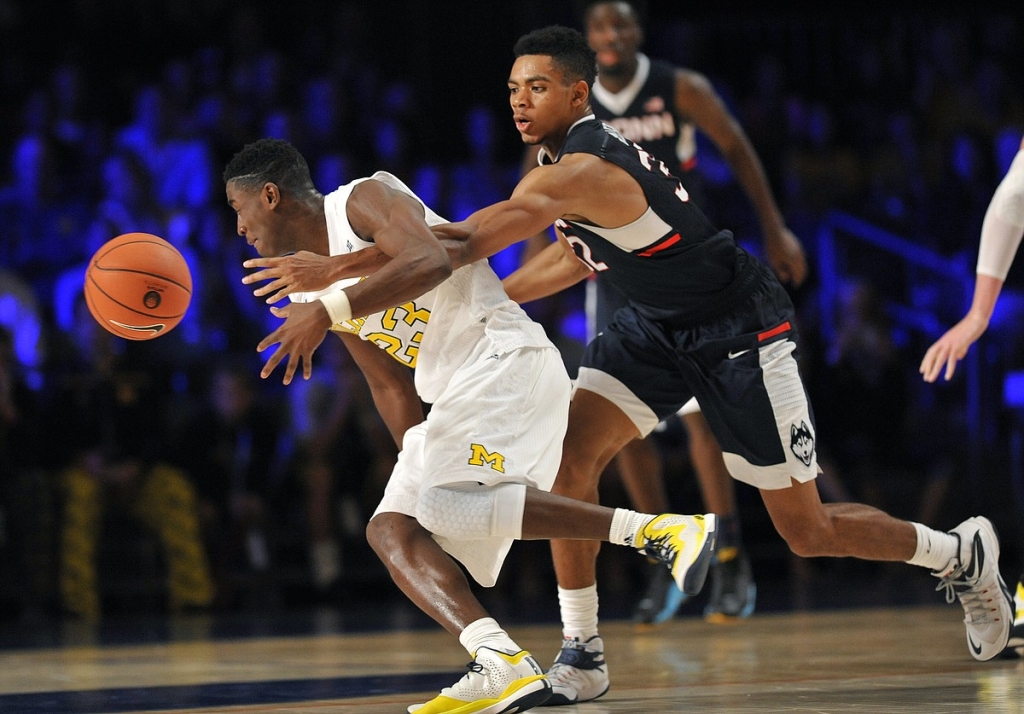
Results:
x,y
138,286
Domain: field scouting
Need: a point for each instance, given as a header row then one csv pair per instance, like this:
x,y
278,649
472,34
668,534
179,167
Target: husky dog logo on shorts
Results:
x,y
801,442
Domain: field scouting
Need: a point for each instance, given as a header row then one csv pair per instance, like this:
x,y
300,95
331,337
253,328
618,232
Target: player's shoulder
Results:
x,y
685,77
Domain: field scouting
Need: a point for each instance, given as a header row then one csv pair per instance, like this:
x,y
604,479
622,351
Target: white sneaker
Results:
x,y
685,544
579,674
973,576
496,682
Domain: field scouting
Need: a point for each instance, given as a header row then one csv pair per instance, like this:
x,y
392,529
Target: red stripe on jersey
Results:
x,y
660,246
784,327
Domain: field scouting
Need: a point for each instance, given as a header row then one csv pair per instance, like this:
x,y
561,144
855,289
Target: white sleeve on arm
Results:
x,y
1003,226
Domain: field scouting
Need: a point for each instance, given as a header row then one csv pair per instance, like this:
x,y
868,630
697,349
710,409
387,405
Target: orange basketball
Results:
x,y
138,286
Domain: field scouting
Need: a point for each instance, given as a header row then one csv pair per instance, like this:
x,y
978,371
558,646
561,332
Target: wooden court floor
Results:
x,y
911,659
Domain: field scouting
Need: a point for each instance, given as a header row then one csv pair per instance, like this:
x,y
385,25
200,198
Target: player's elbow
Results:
x,y
433,267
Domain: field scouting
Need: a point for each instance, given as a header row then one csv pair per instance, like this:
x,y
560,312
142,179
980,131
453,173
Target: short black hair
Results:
x,y
270,160
566,47
639,8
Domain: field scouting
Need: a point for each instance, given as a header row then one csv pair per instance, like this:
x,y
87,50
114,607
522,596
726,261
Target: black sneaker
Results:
x,y
733,592
661,600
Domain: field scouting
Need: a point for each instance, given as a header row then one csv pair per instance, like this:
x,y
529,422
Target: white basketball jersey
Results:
x,y
436,332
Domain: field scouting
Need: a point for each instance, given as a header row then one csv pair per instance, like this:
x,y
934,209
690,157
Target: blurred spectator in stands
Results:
x,y
125,205
41,218
343,458
108,406
26,498
235,446
864,409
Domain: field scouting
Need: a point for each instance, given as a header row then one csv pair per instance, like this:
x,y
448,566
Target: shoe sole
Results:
x,y
987,524
697,573
560,700
524,700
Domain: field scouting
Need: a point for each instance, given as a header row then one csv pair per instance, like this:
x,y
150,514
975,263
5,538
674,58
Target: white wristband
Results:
x,y
337,306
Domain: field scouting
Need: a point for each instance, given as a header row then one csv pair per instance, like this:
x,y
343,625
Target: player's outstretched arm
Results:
x,y
548,272
1001,233
541,197
697,99
308,272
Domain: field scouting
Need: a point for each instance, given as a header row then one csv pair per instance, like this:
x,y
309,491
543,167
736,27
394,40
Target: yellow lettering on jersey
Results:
x,y
482,456
412,350
410,315
393,346
352,326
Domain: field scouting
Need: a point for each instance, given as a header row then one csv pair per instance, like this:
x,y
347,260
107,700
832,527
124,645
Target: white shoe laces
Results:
x,y
976,605
561,674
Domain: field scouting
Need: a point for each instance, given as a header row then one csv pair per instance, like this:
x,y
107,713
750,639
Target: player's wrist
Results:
x,y
338,306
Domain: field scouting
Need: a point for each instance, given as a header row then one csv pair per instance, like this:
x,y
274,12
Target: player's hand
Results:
x,y
299,272
951,347
786,256
305,326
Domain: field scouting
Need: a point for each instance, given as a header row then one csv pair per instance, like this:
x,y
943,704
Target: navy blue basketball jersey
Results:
x,y
671,262
645,112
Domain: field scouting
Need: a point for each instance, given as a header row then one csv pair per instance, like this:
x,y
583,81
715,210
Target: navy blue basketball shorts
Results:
x,y
742,370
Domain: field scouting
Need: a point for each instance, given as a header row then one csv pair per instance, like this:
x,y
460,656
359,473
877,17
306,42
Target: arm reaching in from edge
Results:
x,y
530,210
1001,234
953,345
308,272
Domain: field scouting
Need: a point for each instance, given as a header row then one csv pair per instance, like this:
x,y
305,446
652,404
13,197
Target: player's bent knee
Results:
x,y
579,482
384,533
472,511
805,542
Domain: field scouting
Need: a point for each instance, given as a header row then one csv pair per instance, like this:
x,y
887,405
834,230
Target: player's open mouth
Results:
x,y
522,124
607,58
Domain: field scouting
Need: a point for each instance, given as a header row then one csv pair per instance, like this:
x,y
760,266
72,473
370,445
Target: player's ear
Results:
x,y
580,92
271,194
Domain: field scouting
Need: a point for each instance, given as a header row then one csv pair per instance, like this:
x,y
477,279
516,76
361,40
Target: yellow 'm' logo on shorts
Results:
x,y
482,456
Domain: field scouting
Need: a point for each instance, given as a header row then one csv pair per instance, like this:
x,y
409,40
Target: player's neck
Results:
x,y
310,224
553,144
615,79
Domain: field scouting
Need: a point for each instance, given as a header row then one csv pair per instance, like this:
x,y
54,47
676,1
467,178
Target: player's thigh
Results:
x,y
401,493
502,418
758,409
639,376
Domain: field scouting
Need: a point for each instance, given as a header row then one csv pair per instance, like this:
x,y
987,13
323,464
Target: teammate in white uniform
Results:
x,y
476,473
1001,233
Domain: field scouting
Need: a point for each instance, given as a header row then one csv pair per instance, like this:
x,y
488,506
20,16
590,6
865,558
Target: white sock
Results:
x,y
486,631
935,549
579,612
625,525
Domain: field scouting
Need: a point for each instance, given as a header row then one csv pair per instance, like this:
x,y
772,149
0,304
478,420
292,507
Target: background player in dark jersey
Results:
x,y
705,319
660,107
